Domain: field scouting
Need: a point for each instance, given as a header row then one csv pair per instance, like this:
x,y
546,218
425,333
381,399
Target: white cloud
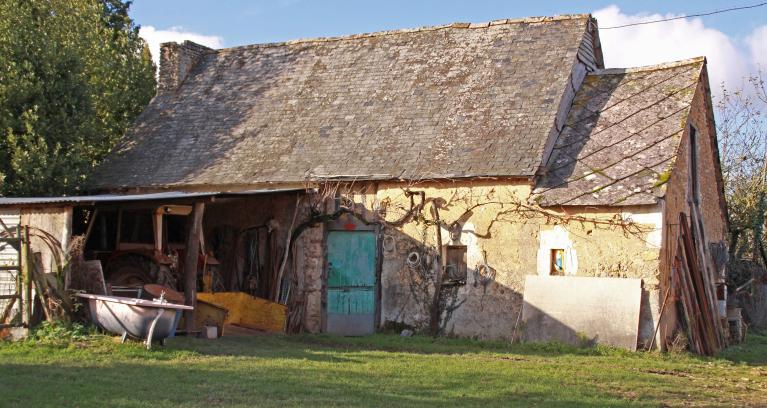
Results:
x,y
155,37
757,45
679,39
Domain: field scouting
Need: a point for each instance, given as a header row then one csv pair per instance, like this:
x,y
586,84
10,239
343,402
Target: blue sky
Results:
x,y
242,22
735,43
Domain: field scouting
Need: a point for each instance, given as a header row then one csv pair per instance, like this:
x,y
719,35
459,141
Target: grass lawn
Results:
x,y
381,370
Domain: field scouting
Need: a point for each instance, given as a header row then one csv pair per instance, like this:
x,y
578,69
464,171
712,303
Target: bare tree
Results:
x,y
742,131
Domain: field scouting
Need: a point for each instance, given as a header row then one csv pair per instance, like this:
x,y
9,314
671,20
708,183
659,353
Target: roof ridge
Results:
x,y
458,25
663,65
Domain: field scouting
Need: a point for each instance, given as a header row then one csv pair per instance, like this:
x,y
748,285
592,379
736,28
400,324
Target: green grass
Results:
x,y
381,370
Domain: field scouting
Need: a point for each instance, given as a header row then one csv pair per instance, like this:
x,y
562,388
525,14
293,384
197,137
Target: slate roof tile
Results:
x,y
623,131
423,103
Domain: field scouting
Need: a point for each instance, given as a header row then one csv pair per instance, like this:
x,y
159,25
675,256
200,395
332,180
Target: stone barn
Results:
x,y
487,180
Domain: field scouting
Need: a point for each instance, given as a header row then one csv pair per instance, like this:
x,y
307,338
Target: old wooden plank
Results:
x,y
706,272
25,258
697,343
701,287
683,298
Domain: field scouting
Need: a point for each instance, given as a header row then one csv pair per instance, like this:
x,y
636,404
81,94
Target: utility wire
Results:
x,y
687,16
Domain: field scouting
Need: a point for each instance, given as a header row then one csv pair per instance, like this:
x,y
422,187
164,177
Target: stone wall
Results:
x,y
311,248
505,241
504,244
678,194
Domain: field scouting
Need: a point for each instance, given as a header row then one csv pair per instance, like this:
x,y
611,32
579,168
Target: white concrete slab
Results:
x,y
572,309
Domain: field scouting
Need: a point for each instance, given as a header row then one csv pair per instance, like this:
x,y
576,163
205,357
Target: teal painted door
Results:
x,y
351,286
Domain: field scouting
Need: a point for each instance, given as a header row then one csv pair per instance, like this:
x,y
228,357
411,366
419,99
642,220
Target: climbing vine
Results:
x,y
330,200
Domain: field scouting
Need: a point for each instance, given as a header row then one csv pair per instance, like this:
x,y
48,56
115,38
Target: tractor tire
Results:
x,y
166,277
131,270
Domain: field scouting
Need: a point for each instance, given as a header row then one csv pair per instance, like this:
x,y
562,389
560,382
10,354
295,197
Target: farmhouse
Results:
x,y
485,180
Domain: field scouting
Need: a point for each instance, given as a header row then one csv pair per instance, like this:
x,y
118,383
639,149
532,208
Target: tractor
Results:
x,y
138,245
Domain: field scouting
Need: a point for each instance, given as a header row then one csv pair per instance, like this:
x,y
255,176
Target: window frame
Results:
x,y
693,157
553,271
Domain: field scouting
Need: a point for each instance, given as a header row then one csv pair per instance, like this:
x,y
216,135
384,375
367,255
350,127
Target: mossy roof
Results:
x,y
622,136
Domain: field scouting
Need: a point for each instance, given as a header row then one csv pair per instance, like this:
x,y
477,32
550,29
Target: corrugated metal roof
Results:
x,y
109,198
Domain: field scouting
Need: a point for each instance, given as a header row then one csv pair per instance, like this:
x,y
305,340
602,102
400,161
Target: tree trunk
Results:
x,y
734,238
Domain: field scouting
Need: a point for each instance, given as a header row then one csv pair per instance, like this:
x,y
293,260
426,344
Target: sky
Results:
x,y
735,43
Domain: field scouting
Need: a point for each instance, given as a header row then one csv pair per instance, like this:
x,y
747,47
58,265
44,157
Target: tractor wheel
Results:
x,y
131,270
166,277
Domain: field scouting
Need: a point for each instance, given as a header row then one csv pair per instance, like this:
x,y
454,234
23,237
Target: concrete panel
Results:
x,y
567,308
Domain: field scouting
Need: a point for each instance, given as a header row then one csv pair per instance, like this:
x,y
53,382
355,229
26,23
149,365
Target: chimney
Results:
x,y
176,61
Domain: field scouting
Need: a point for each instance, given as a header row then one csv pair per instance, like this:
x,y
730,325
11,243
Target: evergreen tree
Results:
x,y
74,74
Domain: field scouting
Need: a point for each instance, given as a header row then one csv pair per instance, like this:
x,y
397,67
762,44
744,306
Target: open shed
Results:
x,y
187,241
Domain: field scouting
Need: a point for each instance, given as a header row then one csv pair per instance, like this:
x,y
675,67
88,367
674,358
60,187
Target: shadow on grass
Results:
x,y
310,370
753,351
275,378
246,346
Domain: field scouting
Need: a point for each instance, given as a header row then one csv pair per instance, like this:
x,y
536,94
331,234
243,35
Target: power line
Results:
x,y
688,16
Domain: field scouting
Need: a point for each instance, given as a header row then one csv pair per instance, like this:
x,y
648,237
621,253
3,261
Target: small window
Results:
x,y
694,182
455,263
557,262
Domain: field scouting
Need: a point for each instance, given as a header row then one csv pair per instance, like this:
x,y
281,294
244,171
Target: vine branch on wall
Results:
x,y
339,192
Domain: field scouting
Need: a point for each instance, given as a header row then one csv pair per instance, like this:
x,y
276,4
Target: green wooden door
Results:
x,y
351,286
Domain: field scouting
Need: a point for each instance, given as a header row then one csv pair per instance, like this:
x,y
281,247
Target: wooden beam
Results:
x,y
190,263
89,230
5,228
119,227
25,261
157,223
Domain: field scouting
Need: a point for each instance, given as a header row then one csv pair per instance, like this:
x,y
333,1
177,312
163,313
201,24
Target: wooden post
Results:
x,y
26,272
157,223
190,263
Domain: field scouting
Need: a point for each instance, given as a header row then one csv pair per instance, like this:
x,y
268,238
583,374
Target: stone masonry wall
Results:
x,y
503,246
312,249
678,194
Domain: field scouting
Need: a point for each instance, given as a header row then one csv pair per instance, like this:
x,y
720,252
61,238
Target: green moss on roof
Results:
x,y
633,135
662,178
